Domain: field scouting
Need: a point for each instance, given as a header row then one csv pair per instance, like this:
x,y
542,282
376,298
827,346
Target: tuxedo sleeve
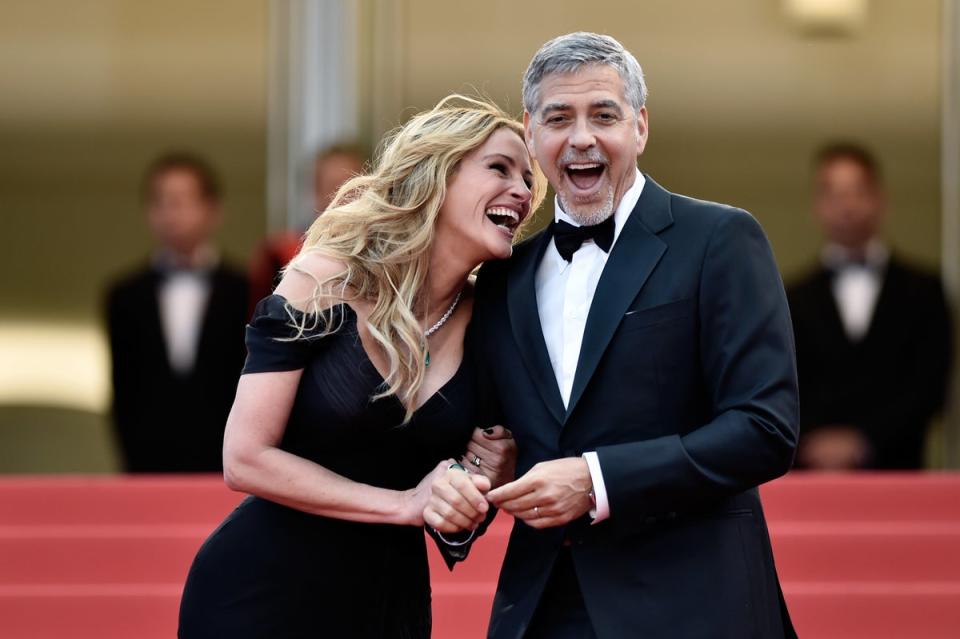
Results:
x,y
897,422
125,376
749,374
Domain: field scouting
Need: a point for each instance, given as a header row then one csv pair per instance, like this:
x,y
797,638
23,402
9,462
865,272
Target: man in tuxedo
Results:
x,y
176,328
642,354
872,332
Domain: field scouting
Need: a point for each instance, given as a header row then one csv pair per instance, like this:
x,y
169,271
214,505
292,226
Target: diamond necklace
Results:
x,y
436,327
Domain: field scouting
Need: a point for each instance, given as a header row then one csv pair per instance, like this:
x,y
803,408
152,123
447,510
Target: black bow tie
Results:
x,y
568,237
168,271
850,262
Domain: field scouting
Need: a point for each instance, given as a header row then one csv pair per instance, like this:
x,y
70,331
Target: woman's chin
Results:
x,y
502,251
495,245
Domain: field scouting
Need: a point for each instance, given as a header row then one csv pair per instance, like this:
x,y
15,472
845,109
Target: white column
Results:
x,y
388,103
312,98
950,196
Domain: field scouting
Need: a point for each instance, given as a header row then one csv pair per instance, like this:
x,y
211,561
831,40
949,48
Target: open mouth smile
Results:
x,y
504,218
585,177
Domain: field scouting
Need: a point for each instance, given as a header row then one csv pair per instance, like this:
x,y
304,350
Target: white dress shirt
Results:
x,y
856,285
564,294
182,299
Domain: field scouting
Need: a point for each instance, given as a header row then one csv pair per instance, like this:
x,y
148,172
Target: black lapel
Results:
x,y
525,322
212,320
151,310
885,306
830,322
632,259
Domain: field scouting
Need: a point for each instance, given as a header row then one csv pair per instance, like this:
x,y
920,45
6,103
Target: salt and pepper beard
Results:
x,y
581,214
589,217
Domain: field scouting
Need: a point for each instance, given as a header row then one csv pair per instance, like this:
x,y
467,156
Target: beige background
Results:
x,y
92,90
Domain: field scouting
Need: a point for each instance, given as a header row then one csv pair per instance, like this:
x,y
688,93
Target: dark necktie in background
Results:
x,y
568,237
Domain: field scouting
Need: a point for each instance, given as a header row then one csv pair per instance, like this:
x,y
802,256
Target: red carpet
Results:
x,y
859,556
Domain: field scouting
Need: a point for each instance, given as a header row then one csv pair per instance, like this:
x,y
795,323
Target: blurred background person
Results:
x,y
332,166
872,332
176,328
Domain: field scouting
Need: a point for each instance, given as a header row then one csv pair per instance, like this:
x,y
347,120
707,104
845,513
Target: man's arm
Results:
x,y
749,368
899,422
124,375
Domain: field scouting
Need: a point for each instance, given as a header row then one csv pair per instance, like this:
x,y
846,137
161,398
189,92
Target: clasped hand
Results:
x,y
552,493
458,493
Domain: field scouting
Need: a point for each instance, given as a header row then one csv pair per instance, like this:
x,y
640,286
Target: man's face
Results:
x,y
179,216
586,138
848,203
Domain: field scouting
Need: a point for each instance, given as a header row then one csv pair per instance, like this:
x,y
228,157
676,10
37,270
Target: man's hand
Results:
x,y
837,447
493,453
552,493
457,501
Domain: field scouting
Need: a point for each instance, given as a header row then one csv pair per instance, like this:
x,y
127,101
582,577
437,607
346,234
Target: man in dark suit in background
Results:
x,y
873,333
642,354
176,328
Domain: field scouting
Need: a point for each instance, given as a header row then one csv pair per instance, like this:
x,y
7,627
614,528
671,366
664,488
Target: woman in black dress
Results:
x,y
358,392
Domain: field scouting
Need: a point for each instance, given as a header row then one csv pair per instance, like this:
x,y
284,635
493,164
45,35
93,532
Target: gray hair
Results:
x,y
568,53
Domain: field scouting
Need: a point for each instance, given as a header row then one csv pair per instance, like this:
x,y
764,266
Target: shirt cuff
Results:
x,y
602,509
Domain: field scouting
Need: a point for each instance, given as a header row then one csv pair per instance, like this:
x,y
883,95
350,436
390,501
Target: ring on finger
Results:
x,y
536,511
476,460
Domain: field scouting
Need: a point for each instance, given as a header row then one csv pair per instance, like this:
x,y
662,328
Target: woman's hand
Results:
x,y
493,453
414,501
457,499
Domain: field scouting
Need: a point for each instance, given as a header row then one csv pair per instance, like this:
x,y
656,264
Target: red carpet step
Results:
x,y
873,555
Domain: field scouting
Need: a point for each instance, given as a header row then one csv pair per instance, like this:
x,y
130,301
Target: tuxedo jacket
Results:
x,y
888,384
686,388
165,421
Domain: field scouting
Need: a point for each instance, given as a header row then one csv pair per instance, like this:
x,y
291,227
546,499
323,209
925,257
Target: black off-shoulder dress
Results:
x,y
275,572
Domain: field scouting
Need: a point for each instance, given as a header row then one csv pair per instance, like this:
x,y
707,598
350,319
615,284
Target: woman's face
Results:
x,y
488,197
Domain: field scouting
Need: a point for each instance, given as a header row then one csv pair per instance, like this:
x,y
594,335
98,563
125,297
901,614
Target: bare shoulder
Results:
x,y
303,277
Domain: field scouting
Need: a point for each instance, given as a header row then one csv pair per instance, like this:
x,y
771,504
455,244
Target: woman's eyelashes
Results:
x,y
500,168
503,171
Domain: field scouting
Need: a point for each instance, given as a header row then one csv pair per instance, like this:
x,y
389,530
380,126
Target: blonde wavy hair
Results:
x,y
381,227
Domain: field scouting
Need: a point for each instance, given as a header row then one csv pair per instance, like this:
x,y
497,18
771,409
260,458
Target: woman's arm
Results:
x,y
254,464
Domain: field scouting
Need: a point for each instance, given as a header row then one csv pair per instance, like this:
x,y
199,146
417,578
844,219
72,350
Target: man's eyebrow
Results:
x,y
607,104
553,107
599,104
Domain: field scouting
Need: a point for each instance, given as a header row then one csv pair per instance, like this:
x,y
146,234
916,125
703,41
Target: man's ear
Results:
x,y
643,129
528,132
